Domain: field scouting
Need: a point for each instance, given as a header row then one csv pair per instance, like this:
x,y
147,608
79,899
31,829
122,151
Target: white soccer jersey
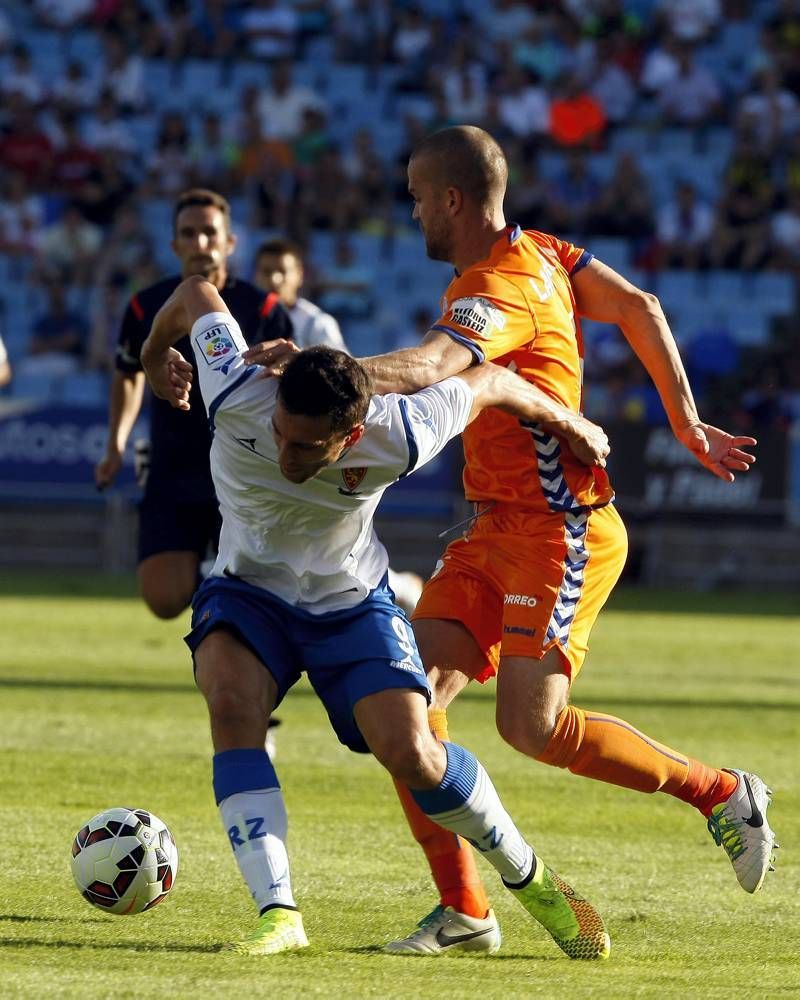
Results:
x,y
313,544
312,325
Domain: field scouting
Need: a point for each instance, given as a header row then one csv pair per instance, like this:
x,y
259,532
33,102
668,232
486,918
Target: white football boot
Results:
x,y
444,929
739,824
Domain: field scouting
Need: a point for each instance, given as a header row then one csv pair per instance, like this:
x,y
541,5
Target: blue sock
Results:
x,y
242,771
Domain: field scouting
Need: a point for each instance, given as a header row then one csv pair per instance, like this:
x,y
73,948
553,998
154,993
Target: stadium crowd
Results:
x,y
664,135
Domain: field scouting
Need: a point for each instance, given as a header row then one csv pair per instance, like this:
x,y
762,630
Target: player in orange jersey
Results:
x,y
518,595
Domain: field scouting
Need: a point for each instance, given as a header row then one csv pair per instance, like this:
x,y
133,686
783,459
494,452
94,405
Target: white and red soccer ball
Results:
x,y
124,860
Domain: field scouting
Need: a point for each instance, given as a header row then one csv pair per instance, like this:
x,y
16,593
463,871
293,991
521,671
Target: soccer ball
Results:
x,y
124,860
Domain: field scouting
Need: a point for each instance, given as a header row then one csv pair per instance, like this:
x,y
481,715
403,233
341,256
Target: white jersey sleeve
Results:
x,y
218,346
432,417
326,331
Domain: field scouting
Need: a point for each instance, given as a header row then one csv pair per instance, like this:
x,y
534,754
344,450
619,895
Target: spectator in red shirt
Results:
x,y
25,148
576,118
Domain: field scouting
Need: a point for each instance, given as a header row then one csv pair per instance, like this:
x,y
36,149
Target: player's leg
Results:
x,y
534,716
451,787
450,858
173,539
229,639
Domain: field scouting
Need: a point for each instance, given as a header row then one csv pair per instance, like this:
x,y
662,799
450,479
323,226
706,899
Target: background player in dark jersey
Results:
x,y
178,516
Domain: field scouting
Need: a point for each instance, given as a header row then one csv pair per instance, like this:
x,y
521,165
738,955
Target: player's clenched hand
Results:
x,y
587,442
720,452
272,355
166,373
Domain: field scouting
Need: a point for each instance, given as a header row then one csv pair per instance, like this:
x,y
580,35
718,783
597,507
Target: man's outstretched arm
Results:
x,y
494,386
603,295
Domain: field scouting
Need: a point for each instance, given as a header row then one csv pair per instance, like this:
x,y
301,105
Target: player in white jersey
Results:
x,y
279,268
299,466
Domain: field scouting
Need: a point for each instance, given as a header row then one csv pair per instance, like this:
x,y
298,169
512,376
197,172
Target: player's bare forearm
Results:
x,y
168,372
125,403
414,368
603,295
498,387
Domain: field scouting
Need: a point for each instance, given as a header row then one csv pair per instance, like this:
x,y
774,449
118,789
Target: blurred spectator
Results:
x,y
741,234
135,26
361,30
369,179
412,36
523,106
684,229
325,197
693,97
345,285
74,162
213,157
105,131
24,146
764,405
612,85
21,217
691,20
574,194
176,27
313,139
771,113
170,166
279,267
6,32
62,13
785,233
270,27
540,50
20,78
624,207
106,190
282,105
216,30
106,309
69,249
58,337
74,92
127,244
464,85
576,118
528,198
5,365
661,65
504,20
123,74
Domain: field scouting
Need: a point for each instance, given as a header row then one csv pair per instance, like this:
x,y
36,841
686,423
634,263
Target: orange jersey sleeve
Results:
x,y
487,313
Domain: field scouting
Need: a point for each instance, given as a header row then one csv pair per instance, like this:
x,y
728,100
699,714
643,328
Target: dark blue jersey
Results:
x,y
180,439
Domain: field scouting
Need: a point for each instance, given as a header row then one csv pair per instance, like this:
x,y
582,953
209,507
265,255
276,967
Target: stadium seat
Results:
x,y
85,389
29,385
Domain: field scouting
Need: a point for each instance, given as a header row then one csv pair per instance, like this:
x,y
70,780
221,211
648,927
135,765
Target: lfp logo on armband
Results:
x,y
216,344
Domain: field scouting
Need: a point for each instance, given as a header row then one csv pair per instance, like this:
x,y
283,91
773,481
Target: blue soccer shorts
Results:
x,y
347,654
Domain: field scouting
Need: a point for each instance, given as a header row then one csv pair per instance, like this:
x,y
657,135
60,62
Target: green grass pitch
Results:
x,y
97,708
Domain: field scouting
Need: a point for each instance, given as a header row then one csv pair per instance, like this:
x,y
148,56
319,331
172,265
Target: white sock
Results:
x,y
467,803
256,824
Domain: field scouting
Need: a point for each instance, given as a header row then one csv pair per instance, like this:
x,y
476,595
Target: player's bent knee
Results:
x,y
166,606
414,760
525,734
232,709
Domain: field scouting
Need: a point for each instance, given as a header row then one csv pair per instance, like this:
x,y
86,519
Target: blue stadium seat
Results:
x,y
775,292
614,251
85,389
33,386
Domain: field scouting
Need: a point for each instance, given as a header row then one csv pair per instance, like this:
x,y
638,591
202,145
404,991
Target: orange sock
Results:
x,y
608,749
451,859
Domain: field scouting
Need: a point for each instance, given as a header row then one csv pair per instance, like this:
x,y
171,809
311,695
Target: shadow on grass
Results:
x,y
110,946
20,918
469,694
376,949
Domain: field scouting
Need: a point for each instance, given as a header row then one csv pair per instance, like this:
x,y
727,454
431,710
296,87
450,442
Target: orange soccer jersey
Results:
x,y
517,308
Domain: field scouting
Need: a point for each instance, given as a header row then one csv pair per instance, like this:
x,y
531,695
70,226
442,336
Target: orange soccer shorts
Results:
x,y
524,582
